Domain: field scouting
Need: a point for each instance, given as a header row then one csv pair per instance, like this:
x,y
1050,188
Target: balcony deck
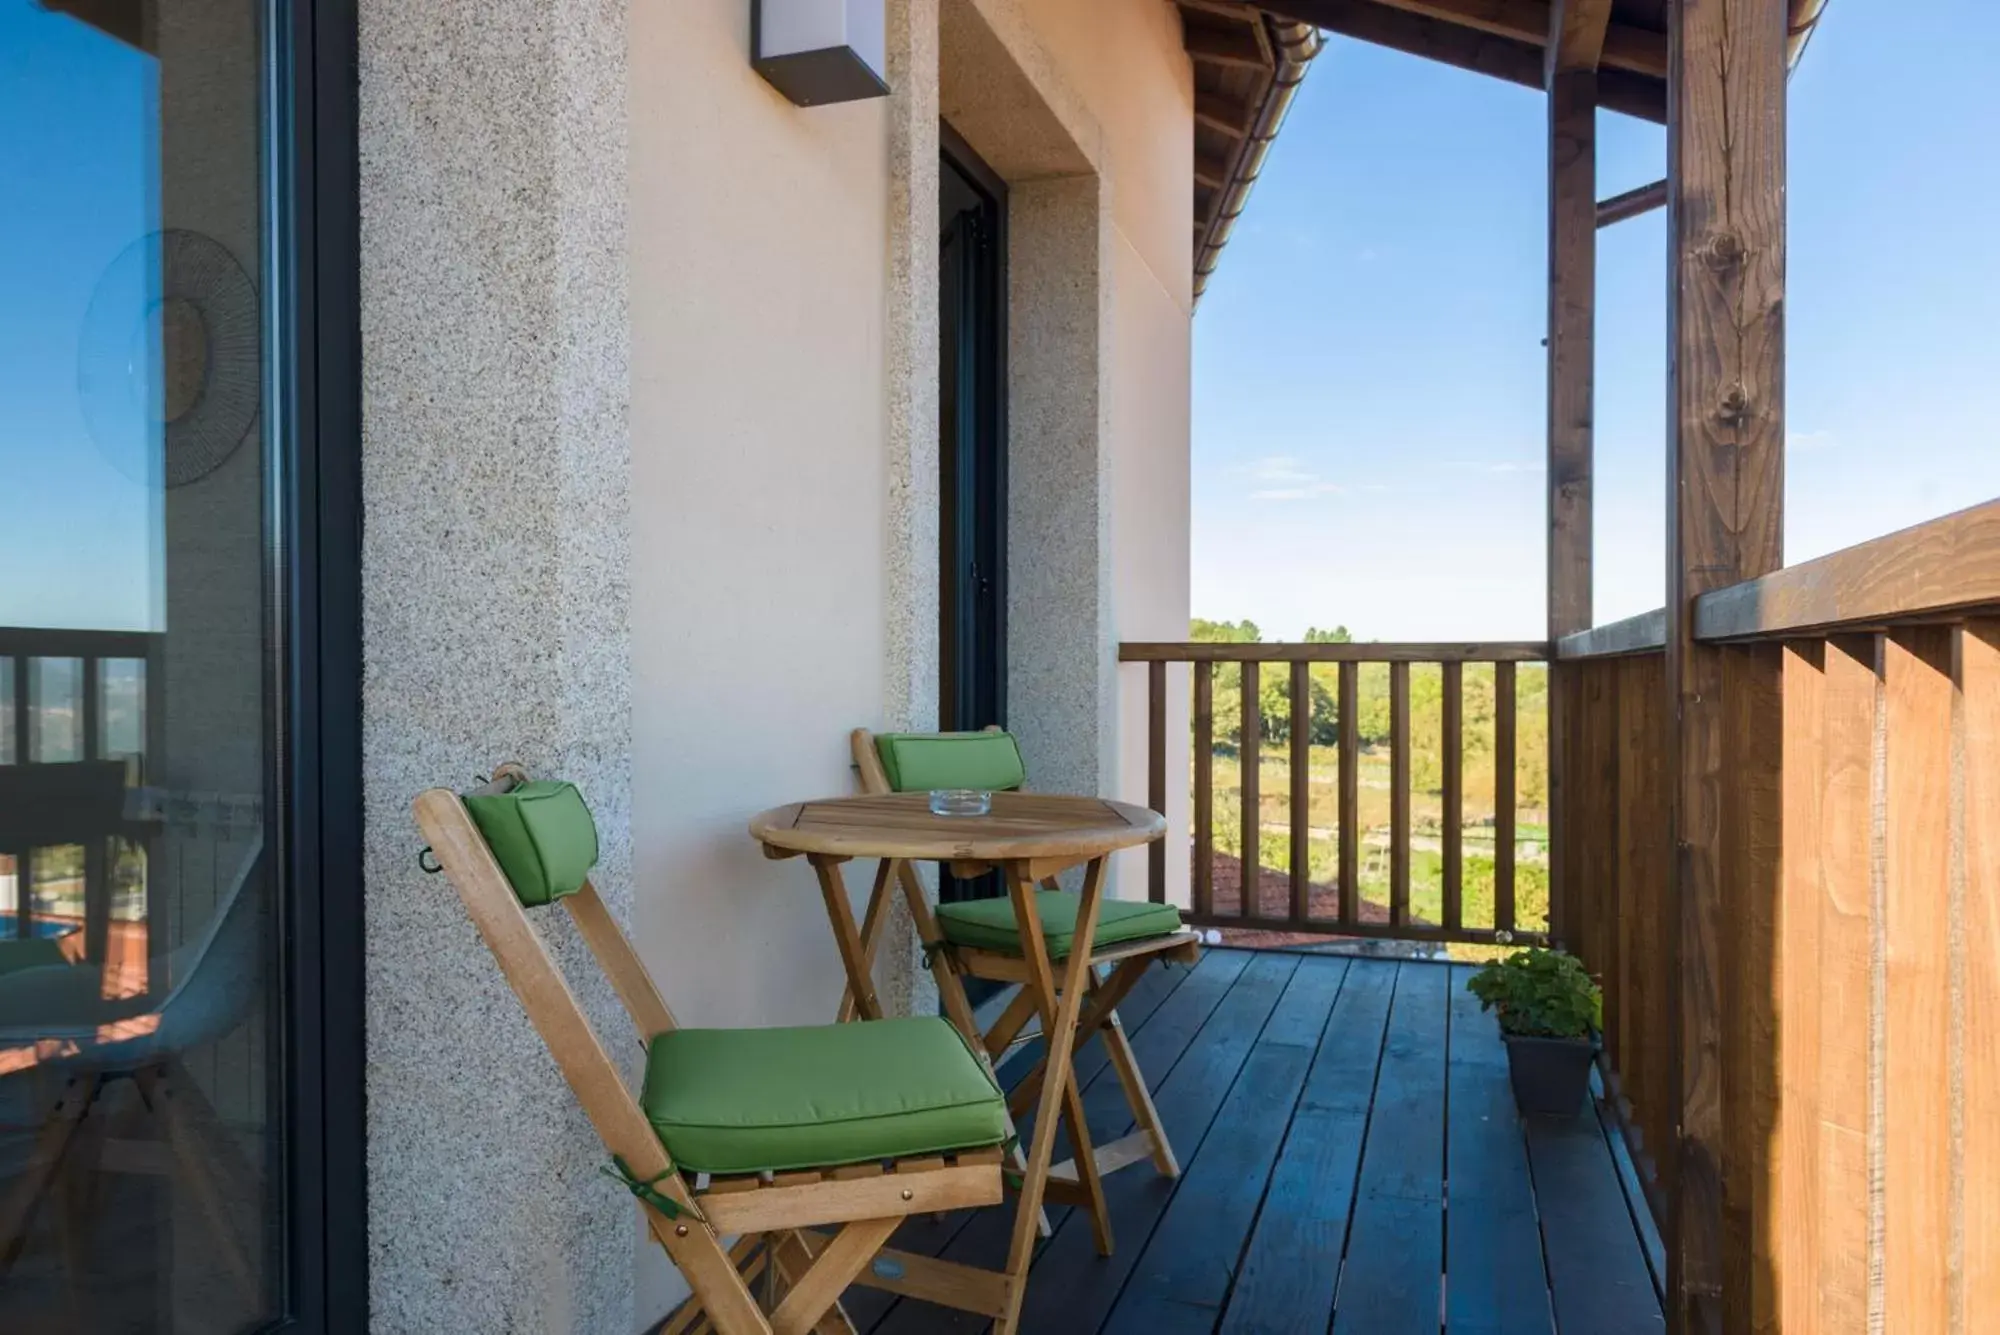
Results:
x,y
1351,1162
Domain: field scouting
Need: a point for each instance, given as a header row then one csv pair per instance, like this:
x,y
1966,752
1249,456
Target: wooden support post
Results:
x,y
1725,437
1572,302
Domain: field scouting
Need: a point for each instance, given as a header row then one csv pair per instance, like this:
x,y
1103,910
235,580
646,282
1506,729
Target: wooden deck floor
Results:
x,y
1352,1162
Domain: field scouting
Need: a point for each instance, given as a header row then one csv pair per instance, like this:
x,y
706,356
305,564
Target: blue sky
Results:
x,y
78,126
1369,376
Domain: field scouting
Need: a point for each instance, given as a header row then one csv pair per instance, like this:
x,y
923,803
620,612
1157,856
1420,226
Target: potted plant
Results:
x,y
1550,1012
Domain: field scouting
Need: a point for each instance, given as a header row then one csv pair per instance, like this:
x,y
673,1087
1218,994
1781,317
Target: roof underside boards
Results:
x,y
1248,59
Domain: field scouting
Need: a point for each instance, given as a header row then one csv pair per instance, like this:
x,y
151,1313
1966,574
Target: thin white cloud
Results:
x,y
1810,442
1284,477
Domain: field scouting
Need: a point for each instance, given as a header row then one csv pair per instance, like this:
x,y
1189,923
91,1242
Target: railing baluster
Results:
x,y
1204,789
1399,793
1250,755
1505,713
1453,744
1301,803
1156,775
1350,793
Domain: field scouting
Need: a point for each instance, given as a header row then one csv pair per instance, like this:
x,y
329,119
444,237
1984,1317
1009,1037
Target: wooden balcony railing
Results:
x,y
1844,1049
1279,888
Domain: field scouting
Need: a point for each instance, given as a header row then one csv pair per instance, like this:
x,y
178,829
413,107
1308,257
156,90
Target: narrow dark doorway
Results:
x,y
972,441
972,545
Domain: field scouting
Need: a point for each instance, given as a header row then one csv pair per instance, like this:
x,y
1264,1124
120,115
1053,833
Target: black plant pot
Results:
x,y
1551,1075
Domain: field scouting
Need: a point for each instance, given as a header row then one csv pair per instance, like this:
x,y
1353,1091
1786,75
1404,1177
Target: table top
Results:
x,y
900,825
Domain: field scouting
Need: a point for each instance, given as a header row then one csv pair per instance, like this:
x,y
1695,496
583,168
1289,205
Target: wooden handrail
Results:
x,y
1644,633
1945,566
1340,911
1466,651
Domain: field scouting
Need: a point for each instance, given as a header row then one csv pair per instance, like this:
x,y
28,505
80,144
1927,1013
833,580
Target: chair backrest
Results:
x,y
533,974
914,762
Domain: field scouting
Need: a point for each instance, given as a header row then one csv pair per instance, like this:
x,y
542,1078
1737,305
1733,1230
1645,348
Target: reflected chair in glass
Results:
x,y
58,1015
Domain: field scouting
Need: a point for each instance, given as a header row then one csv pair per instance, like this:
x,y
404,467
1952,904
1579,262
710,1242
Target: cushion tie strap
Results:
x,y
932,949
647,1189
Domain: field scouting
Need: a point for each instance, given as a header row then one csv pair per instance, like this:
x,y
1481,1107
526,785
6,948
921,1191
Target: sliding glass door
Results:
x,y
164,766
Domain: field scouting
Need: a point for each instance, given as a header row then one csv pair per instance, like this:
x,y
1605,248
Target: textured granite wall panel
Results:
x,y
1061,671
496,565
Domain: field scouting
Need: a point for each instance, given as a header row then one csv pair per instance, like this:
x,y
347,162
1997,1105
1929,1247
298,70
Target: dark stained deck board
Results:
x,y
1403,1120
1291,1265
1072,1286
1495,1282
1166,1039
1391,1280
1179,1283
1597,1269
1159,1032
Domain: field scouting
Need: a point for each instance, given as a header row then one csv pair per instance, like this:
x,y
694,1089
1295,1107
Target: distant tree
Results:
x,y
1338,635
1203,631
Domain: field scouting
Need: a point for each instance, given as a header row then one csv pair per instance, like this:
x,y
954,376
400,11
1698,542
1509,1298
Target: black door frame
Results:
x,y
314,212
985,417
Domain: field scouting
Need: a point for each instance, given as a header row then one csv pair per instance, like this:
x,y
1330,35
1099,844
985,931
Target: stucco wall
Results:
x,y
759,281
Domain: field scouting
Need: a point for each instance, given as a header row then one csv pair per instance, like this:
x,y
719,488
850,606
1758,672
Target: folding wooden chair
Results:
x,y
773,1135
979,939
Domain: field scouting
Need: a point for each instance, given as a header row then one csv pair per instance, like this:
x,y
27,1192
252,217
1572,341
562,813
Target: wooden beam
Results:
x,y
1233,47
1577,32
1211,170
1933,569
1621,47
1226,114
1516,55
1631,204
1571,345
1725,438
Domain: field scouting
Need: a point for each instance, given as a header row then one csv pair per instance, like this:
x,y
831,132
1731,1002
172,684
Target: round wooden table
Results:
x,y
1030,838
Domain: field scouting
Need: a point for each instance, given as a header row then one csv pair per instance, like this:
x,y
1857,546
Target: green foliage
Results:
x,y
1338,635
1224,632
1540,994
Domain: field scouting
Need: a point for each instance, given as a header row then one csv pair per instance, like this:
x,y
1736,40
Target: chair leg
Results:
x,y
178,1101
1084,1155
1144,1114
51,1146
794,1258
871,931
818,1289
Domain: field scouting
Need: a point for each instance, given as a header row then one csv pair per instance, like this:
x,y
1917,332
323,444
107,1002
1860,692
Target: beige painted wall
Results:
x,y
758,241
761,291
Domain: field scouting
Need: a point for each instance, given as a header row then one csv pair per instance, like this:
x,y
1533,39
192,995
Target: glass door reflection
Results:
x,y
141,1081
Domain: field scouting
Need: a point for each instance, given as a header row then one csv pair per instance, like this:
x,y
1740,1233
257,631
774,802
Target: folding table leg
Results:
x,y
871,932
1060,1008
958,1009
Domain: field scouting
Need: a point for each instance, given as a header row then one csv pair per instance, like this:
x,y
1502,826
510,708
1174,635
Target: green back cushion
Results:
x,y
918,762
542,835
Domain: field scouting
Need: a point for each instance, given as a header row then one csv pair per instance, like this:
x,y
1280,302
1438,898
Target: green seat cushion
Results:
x,y
752,1100
919,762
989,923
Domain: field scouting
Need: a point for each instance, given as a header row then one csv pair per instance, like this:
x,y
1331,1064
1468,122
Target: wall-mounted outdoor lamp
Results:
x,y
820,51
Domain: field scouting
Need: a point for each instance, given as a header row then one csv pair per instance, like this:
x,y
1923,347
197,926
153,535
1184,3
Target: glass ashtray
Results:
x,y
960,802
